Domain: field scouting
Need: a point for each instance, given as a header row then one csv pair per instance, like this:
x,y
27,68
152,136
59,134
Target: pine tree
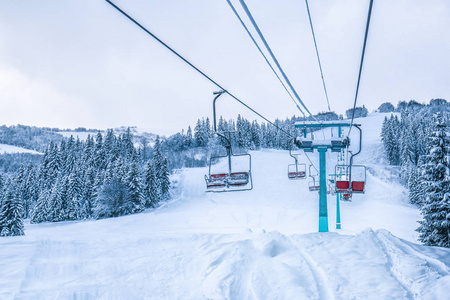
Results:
x,y
111,199
152,189
135,199
389,136
207,128
73,195
434,229
200,134
27,190
164,180
11,223
41,212
70,155
1,186
87,194
256,135
111,147
416,189
88,151
99,153
187,143
56,201
127,144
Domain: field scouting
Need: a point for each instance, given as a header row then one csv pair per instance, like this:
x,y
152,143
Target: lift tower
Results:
x,y
335,144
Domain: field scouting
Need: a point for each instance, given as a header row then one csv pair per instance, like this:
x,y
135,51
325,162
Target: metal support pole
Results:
x,y
214,107
229,159
323,213
338,195
338,212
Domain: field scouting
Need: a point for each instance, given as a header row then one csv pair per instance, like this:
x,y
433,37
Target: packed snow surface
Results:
x,y
4,148
259,244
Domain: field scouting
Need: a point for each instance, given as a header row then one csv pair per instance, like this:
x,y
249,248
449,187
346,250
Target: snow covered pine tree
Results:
x,y
11,223
435,228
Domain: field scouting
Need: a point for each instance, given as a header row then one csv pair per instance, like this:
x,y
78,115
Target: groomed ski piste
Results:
x,y
259,244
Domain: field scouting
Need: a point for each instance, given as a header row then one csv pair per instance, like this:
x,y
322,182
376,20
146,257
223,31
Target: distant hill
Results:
x,y
22,144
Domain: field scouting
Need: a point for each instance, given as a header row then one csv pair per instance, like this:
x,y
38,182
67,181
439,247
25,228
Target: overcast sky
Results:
x,y
80,63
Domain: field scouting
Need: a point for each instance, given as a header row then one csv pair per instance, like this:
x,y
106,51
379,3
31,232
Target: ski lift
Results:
x,y
296,171
351,179
232,179
314,183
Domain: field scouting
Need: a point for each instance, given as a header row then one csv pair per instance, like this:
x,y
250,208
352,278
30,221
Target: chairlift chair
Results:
x,y
350,179
230,180
314,183
297,170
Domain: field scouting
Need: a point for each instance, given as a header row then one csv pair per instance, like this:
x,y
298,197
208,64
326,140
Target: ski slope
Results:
x,y
8,149
259,244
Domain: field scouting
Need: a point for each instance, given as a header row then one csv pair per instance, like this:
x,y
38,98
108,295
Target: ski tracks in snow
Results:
x,y
413,270
393,265
53,265
320,278
269,266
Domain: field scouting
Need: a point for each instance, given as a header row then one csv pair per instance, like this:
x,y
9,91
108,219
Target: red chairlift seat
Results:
x,y
344,185
313,186
358,186
297,175
238,178
296,170
216,180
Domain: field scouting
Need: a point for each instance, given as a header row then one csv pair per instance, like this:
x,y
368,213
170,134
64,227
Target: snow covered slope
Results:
x,y
4,148
259,244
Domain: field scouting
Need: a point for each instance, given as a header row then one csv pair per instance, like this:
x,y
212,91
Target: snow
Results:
x,y
259,244
4,148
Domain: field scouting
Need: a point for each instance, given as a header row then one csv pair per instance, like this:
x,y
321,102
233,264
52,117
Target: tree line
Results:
x,y
418,142
192,148
99,178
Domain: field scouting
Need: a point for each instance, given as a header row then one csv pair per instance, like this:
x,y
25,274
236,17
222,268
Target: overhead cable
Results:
x,y
361,64
195,68
317,53
252,20
262,53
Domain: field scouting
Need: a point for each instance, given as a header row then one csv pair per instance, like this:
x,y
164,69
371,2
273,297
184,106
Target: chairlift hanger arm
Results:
x,y
360,144
218,94
290,151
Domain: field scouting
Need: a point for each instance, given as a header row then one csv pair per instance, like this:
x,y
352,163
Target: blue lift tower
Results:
x,y
335,144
